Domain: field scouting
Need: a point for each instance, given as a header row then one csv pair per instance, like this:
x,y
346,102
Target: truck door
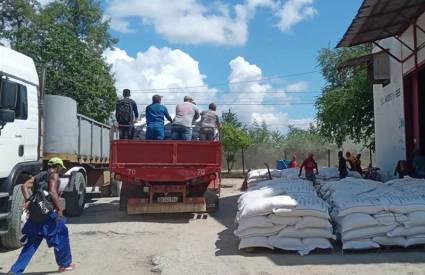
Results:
x,y
11,143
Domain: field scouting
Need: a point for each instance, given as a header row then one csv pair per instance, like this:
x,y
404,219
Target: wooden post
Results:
x,y
329,158
243,161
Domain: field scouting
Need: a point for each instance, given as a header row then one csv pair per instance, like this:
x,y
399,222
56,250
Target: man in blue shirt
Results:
x,y
155,114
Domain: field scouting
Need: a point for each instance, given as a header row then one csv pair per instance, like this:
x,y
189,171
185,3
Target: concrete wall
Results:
x,y
389,102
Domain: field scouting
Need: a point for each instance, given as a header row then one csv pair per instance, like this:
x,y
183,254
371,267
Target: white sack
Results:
x,y
292,232
383,240
414,240
366,232
310,244
264,206
355,221
359,244
313,222
390,218
283,220
259,231
286,243
407,231
254,242
250,222
415,218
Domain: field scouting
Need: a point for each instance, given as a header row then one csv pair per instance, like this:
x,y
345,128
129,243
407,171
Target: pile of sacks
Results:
x,y
284,214
370,214
325,174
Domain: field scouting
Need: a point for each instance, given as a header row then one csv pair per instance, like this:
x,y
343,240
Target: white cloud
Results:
x,y
303,123
246,88
295,11
297,86
171,73
156,70
45,2
193,22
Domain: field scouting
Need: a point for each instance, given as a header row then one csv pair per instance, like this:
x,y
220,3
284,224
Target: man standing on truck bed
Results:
x,y
155,114
186,114
45,219
126,113
209,122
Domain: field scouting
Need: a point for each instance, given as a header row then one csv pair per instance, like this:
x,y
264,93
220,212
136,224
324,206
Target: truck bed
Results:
x,y
164,161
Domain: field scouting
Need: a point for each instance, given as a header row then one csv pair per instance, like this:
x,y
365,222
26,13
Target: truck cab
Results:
x,y
19,133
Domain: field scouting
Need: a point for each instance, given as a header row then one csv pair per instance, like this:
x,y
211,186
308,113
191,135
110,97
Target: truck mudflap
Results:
x,y
142,206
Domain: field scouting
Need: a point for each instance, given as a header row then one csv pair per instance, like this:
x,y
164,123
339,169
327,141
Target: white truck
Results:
x,y
34,128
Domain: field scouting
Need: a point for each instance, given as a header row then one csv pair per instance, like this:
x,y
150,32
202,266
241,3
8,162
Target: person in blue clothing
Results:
x,y
155,114
52,227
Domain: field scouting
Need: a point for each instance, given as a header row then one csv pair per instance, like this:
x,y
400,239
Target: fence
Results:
x,y
256,155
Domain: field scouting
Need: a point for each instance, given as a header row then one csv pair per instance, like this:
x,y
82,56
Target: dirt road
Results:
x,y
106,241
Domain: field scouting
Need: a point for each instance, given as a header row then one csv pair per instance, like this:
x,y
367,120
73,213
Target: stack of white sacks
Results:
x,y
325,174
370,214
283,213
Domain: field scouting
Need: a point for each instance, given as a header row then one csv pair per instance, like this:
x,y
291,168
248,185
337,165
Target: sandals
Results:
x,y
71,267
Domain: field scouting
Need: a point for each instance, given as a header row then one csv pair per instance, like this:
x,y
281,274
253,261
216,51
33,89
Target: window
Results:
x,y
21,109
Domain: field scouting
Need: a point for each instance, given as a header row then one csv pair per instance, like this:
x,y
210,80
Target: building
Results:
x,y
397,31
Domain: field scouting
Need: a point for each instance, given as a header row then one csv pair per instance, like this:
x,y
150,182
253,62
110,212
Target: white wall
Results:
x,y
389,102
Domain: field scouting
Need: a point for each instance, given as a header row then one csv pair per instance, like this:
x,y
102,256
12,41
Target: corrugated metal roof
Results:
x,y
378,19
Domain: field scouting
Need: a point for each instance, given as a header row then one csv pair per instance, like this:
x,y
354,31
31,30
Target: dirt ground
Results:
x,y
106,241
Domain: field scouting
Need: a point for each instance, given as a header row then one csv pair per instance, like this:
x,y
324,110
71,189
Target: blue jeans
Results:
x,y
155,132
180,132
55,234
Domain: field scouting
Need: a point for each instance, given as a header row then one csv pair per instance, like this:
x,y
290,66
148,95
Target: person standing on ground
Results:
x,y
126,114
209,123
418,164
155,114
351,160
309,164
293,163
186,114
359,164
45,222
342,165
402,169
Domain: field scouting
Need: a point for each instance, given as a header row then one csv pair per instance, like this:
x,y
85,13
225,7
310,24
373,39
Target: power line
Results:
x,y
236,92
227,83
242,104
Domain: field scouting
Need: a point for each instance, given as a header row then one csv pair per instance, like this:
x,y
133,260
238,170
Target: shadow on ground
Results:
x,y
227,245
96,209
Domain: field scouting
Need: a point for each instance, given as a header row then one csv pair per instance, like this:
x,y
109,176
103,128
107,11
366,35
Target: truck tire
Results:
x,y
12,238
212,201
75,200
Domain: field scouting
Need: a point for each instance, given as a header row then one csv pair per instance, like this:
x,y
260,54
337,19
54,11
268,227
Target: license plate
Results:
x,y
168,199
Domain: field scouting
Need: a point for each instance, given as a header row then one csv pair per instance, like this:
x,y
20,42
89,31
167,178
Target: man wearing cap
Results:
x,y
52,228
186,114
155,114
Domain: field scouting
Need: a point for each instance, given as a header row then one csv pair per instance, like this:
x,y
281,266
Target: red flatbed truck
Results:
x,y
167,176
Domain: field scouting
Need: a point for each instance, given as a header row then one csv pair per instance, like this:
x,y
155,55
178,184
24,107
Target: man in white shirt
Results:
x,y
186,113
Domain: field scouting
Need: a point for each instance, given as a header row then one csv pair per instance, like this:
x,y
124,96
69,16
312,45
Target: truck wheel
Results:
x,y
212,201
75,200
14,235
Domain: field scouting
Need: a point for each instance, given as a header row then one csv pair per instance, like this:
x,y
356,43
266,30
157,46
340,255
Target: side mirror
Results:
x,y
8,94
7,116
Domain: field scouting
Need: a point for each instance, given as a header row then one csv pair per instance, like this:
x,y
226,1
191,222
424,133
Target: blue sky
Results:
x,y
193,43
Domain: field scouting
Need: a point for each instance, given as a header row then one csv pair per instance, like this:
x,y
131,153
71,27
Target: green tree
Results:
x,y
259,133
16,15
67,38
345,108
230,117
233,140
